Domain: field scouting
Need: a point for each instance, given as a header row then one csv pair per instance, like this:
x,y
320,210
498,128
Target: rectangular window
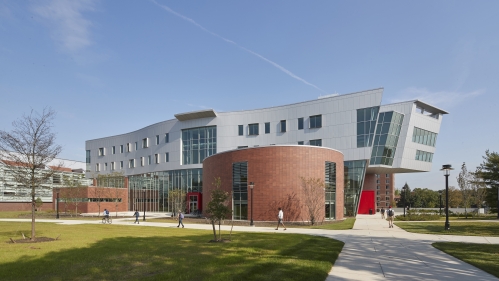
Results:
x,y
149,160
97,167
142,161
156,158
113,149
377,192
387,181
253,129
267,128
240,130
131,163
377,175
198,143
377,181
121,164
316,121
88,157
387,187
300,143
387,193
167,137
136,146
167,157
387,175
244,146
316,142
377,187
145,143
128,147
424,137
424,156
300,123
387,198
105,166
102,151
157,139
240,190
121,148
283,126
113,166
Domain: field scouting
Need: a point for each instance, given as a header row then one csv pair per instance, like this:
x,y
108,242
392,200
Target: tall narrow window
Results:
x,y
128,147
136,146
121,164
157,139
267,128
97,167
121,148
167,137
149,160
167,157
240,130
142,161
300,123
105,166
145,143
113,150
102,151
112,166
240,190
283,126
156,158
131,163
88,157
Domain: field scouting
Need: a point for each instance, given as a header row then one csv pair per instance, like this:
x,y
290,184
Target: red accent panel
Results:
x,y
367,203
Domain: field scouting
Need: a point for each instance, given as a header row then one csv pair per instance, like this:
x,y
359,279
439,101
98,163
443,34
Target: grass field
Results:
x,y
114,252
456,228
483,256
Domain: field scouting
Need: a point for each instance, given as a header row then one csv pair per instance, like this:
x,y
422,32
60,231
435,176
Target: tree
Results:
x,y
116,181
38,203
489,173
28,149
217,207
73,192
405,196
177,200
313,191
99,194
464,182
478,189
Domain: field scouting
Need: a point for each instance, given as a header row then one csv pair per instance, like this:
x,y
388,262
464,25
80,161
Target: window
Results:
x,y
131,163
386,138
316,142
424,156
149,160
167,137
105,166
128,147
88,157
253,129
97,167
424,137
377,181
387,193
283,126
377,187
387,187
113,166
366,123
387,175
121,164
240,130
156,158
198,143
386,204
157,139
300,123
145,143
387,198
113,149
121,148
244,146
136,146
102,151
142,161
167,157
300,143
377,192
377,175
387,181
267,128
316,121
240,190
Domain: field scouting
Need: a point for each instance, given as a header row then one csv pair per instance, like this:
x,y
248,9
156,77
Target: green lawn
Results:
x,y
483,256
114,252
456,228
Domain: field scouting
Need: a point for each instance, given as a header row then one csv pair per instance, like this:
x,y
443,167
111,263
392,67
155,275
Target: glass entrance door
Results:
x,y
193,204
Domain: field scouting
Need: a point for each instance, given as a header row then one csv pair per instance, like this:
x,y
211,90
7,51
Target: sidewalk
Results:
x,y
372,251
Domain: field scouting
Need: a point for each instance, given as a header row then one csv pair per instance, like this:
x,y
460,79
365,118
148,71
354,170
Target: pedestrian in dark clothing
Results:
x,y
136,214
180,218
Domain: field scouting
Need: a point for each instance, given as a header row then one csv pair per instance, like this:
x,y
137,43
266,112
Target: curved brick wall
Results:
x,y
276,172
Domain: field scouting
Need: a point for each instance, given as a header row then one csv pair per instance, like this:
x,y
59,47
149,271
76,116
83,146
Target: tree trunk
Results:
x,y
214,230
33,237
219,232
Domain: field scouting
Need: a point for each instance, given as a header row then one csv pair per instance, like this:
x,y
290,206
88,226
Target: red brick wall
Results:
x,y
276,172
22,206
93,207
370,183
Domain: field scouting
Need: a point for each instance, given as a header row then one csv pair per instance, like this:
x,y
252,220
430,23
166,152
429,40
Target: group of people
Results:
x,y
390,214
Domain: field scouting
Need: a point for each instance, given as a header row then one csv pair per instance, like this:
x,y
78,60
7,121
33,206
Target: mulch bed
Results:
x,y
38,240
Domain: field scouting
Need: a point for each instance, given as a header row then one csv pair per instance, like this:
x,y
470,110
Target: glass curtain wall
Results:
x,y
240,190
330,182
354,180
366,123
198,143
387,137
159,185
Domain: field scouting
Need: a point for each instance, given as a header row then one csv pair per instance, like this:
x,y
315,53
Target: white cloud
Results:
x,y
69,27
445,99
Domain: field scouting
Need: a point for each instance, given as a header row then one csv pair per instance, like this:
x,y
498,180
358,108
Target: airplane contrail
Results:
x,y
281,68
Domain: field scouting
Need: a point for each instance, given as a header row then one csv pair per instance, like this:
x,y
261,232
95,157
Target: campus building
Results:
x,y
376,141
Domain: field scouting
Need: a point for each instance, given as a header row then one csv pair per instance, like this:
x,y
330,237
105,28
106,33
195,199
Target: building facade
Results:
x,y
375,139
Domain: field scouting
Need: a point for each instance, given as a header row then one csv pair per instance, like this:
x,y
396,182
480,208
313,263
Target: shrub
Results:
x,y
419,215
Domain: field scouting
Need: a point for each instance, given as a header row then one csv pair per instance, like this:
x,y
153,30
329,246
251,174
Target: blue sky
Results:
x,y
111,67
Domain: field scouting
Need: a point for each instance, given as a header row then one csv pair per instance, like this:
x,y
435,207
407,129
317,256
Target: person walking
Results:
x,y
391,214
280,217
136,214
382,213
180,218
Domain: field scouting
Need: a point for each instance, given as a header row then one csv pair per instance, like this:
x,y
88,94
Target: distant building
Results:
x,y
377,141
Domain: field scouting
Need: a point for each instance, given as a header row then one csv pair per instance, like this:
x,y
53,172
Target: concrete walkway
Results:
x,y
372,251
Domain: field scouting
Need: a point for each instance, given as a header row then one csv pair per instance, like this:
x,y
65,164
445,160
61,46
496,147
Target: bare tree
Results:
x,y
313,194
464,182
28,149
290,203
177,199
99,194
478,189
115,182
73,192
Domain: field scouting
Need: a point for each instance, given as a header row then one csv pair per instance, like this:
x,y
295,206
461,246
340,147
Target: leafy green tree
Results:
x,y
489,173
38,203
218,208
405,196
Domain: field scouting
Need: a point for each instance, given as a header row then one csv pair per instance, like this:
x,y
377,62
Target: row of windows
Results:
x,y
253,129
386,187
424,156
386,193
145,144
378,175
387,181
311,142
131,162
424,137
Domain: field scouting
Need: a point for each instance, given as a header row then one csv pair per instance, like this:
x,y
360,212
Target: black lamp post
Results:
x,y
447,168
144,198
405,195
251,185
57,206
440,201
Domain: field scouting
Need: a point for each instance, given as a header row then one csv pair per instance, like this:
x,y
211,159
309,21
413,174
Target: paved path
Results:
x,y
372,251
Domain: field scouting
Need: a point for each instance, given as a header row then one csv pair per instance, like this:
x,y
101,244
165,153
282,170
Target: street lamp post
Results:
x,y
144,199
440,201
405,195
447,168
57,205
251,185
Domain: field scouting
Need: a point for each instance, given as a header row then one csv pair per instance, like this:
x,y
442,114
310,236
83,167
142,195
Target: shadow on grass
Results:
x,y
249,257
